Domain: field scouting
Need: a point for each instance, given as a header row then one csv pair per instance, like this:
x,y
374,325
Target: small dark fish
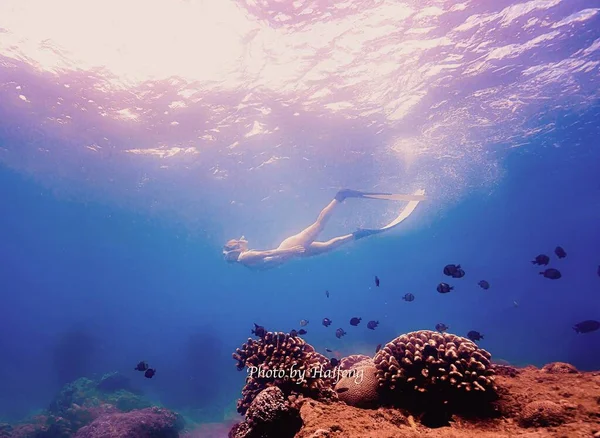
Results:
x,y
444,288
149,373
408,297
293,333
459,273
449,270
376,281
441,327
142,366
328,350
341,390
339,333
541,259
303,322
474,336
333,361
302,332
587,326
598,271
377,348
327,293
372,324
484,284
355,321
326,322
551,273
560,252
259,331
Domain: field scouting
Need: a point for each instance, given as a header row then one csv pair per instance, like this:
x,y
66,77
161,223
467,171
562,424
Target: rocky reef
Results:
x,y
422,383
107,407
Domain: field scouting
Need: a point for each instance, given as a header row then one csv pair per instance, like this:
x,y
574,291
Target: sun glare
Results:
x,y
135,40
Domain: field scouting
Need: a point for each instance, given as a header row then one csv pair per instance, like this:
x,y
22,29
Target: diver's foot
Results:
x,y
347,193
362,232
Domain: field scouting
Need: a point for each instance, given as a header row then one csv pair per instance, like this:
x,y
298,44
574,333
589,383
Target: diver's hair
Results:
x,y
232,245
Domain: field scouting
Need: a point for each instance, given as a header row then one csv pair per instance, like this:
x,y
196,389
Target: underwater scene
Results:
x,y
303,218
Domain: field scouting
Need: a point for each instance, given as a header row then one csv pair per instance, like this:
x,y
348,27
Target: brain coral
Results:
x,y
278,359
542,413
359,388
559,368
428,361
354,360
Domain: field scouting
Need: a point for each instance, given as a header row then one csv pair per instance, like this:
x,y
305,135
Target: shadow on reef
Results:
x,y
108,407
417,382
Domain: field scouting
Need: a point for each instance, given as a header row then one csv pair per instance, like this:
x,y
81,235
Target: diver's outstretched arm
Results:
x,y
253,256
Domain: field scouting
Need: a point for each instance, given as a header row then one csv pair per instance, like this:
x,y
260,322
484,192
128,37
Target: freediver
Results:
x,y
304,244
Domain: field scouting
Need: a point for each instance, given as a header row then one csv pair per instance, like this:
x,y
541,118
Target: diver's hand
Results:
x,y
298,249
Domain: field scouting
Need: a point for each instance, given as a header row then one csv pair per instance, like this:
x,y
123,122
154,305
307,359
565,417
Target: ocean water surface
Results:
x,y
135,140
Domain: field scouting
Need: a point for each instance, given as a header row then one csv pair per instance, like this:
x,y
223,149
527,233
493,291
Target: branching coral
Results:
x,y
427,361
278,359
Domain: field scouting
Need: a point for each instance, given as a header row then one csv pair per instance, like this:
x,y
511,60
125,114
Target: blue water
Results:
x,y
110,259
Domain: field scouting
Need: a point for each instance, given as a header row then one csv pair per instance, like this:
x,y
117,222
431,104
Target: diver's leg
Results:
x,y
309,234
317,248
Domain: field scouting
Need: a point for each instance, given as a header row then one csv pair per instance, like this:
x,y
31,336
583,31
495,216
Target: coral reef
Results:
x,y
269,414
425,361
85,392
436,373
505,370
361,387
77,392
78,404
575,394
354,360
416,383
542,413
149,422
278,359
559,368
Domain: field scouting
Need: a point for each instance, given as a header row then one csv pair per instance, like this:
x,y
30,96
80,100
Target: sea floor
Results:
x,y
533,403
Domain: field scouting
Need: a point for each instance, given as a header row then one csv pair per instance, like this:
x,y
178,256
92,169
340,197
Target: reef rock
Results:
x,y
149,422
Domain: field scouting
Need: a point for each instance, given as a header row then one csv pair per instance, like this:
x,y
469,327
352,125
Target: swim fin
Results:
x,y
348,193
365,232
404,214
